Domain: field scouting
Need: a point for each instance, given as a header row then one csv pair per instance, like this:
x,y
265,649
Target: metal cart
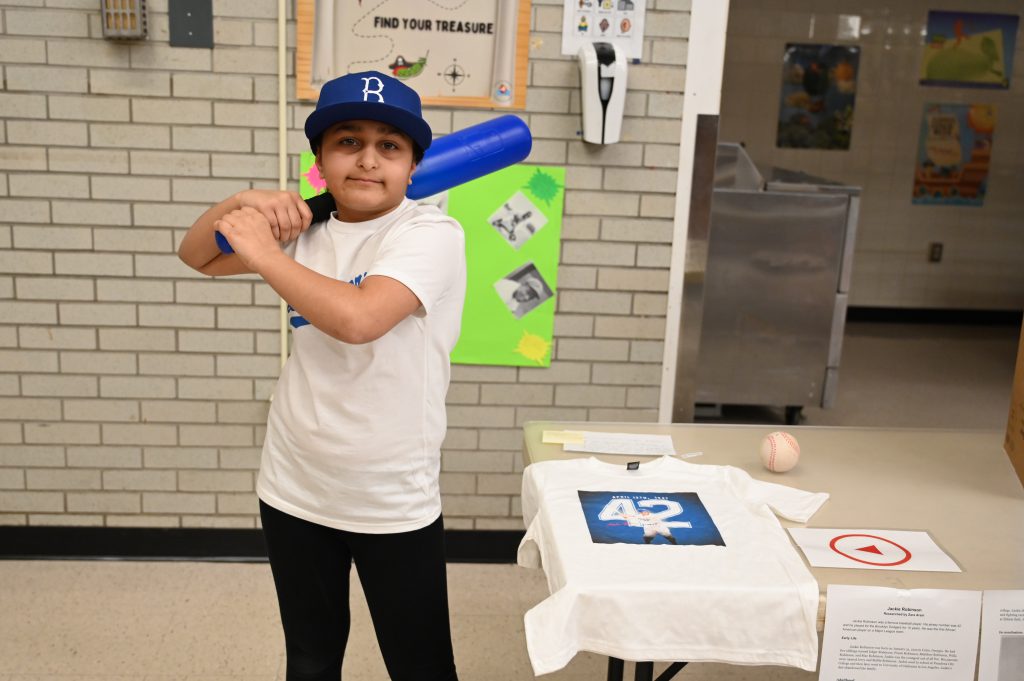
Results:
x,y
780,251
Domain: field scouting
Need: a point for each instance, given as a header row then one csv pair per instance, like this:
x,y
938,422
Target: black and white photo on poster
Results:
x,y
517,220
523,289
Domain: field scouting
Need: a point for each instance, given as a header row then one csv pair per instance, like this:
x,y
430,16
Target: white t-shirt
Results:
x,y
731,589
354,432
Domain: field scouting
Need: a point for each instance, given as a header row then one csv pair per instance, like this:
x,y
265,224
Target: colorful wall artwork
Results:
x,y
310,182
954,153
819,87
620,22
969,49
471,53
513,224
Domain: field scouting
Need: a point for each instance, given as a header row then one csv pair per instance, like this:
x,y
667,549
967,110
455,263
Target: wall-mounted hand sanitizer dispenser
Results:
x,y
603,80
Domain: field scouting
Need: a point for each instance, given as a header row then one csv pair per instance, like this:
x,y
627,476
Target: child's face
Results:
x,y
367,166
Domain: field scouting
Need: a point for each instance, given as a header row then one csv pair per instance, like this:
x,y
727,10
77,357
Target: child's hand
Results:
x,y
250,235
286,212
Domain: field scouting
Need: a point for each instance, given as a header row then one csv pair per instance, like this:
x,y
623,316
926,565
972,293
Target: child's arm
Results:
x,y
352,314
287,217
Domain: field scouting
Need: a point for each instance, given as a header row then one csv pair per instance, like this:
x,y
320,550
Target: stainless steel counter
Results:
x,y
779,257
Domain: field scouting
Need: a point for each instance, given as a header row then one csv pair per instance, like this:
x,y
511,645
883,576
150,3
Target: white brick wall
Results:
x,y
133,391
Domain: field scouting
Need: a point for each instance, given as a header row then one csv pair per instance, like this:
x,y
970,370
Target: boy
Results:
x,y
349,471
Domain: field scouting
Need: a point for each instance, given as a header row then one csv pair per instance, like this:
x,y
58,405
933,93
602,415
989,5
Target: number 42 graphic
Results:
x,y
625,509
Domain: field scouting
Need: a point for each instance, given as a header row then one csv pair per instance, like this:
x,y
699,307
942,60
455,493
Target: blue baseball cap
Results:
x,y
373,96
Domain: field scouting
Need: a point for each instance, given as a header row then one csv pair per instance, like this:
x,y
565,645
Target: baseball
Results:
x,y
779,452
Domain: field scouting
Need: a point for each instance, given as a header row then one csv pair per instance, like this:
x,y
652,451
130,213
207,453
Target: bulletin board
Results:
x,y
462,53
512,219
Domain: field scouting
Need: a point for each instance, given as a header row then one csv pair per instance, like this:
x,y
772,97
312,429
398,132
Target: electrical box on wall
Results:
x,y
191,23
123,19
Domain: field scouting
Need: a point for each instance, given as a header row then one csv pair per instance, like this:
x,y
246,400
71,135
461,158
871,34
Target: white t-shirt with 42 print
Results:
x,y
728,586
354,431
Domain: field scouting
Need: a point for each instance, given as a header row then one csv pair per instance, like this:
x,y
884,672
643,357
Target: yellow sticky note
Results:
x,y
561,437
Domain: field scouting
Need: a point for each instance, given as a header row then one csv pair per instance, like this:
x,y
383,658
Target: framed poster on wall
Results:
x,y
954,154
467,53
969,49
819,91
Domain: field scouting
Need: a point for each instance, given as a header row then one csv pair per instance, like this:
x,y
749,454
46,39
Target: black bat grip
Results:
x,y
322,206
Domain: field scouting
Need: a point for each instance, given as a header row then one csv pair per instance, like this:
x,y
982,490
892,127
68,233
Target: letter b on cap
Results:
x,y
379,92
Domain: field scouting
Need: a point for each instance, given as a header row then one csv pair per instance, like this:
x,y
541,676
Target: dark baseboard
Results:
x,y
935,316
201,544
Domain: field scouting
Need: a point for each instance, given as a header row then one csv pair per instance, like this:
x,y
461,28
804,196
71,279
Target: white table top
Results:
x,y
957,485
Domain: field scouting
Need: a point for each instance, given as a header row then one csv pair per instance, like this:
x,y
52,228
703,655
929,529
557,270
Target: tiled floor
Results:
x,y
914,376
115,621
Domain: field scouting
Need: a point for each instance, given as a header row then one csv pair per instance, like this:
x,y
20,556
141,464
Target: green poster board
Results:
x,y
513,224
310,182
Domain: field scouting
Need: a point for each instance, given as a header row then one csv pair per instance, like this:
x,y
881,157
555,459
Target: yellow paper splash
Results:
x,y
533,347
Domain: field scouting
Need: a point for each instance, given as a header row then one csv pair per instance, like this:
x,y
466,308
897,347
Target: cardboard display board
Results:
x,y
471,54
1014,444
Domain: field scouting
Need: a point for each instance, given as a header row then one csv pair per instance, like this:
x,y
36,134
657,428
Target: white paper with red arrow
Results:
x,y
872,549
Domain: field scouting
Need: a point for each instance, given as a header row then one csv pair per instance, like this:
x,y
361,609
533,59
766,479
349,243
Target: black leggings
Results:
x,y
403,577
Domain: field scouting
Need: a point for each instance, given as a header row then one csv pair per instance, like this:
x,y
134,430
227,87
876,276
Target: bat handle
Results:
x,y
222,243
321,205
